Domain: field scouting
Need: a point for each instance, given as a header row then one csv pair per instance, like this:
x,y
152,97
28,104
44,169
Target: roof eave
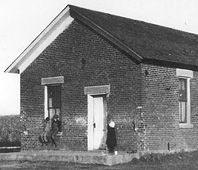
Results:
x,y
41,41
169,64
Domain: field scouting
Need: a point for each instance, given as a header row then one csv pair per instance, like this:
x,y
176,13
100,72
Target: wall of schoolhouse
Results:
x,y
160,106
84,59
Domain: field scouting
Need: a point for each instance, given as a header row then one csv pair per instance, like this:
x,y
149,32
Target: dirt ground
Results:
x,y
177,161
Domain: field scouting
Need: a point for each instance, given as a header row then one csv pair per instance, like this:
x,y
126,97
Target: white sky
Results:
x,y
22,20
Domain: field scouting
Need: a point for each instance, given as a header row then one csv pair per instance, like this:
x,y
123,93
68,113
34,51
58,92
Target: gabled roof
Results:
x,y
142,42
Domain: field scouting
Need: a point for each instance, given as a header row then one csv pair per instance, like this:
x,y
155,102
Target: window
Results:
x,y
52,96
184,98
54,101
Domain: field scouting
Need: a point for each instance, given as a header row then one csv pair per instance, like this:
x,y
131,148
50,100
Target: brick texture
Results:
x,y
160,106
84,59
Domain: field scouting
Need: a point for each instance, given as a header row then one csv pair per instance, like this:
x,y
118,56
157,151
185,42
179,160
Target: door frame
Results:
x,y
90,134
92,91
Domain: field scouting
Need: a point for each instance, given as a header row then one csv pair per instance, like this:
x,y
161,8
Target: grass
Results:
x,y
10,131
177,161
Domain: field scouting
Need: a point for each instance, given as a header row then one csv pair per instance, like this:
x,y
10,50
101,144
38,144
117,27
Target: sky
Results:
x,y
21,21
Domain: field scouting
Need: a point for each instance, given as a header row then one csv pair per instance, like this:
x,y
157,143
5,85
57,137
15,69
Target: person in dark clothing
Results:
x,y
56,127
111,137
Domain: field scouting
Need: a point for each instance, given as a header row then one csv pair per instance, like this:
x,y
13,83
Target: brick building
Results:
x,y
88,65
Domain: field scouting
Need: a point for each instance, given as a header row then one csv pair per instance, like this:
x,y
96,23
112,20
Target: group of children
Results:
x,y
50,131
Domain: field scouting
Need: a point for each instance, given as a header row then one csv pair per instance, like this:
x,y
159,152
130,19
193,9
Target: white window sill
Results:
x,y
185,125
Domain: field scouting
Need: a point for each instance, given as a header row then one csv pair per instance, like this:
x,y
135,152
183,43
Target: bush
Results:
x,y
10,131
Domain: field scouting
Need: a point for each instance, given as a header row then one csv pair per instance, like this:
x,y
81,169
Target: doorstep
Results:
x,y
89,157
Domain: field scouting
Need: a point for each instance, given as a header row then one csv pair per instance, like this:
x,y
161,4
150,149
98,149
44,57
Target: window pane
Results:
x,y
58,112
50,102
54,96
183,112
57,97
54,101
51,113
183,90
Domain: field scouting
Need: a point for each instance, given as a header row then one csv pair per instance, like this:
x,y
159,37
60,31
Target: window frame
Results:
x,y
52,81
183,100
47,107
187,75
54,97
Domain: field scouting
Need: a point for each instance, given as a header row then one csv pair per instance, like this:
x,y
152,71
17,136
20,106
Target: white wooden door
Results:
x,y
98,121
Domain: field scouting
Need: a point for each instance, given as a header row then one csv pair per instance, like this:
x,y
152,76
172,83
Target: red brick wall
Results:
x,y
105,65
161,110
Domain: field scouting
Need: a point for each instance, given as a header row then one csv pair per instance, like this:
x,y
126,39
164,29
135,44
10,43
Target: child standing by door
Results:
x,y
111,136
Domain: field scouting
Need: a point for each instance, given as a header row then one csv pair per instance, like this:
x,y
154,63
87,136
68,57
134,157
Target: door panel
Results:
x,y
98,121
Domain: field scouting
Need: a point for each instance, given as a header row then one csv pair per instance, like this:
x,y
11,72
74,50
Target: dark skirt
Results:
x,y
111,137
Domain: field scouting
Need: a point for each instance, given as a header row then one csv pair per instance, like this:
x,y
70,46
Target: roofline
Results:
x,y
17,65
12,68
169,64
61,20
106,34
